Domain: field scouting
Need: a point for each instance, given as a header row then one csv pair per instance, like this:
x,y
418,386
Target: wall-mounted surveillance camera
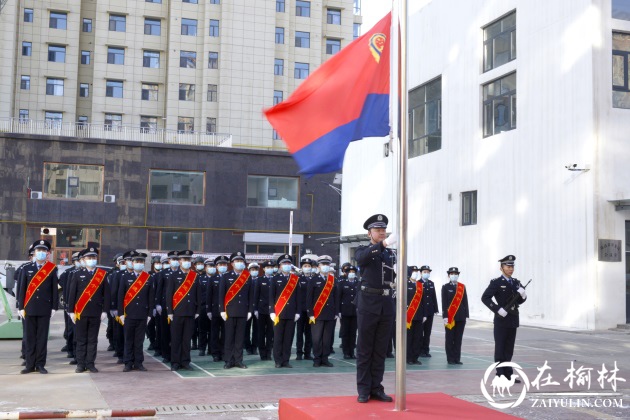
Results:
x,y
574,167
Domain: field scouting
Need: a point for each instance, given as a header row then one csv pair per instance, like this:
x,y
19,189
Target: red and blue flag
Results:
x,y
345,99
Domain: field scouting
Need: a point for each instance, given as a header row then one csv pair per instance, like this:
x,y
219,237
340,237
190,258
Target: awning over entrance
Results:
x,y
271,238
348,239
621,205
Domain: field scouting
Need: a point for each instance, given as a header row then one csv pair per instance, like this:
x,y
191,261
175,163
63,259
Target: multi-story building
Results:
x,y
519,116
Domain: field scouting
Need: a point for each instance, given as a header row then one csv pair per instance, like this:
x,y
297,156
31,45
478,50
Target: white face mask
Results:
x,y
275,269
352,275
158,266
307,270
286,268
239,265
211,270
186,265
414,275
166,265
222,269
138,266
324,268
90,263
82,262
254,273
425,276
268,271
77,264
122,267
199,267
175,263
40,255
454,277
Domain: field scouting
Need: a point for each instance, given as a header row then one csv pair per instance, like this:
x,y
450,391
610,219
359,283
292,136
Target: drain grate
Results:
x,y
215,408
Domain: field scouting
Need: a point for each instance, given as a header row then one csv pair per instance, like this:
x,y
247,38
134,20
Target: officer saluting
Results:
x,y
375,309
506,319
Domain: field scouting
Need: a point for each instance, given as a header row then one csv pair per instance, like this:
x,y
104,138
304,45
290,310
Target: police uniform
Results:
x,y
453,336
16,278
88,323
41,306
64,285
162,281
261,311
236,313
284,325
152,325
429,309
348,313
375,313
111,319
506,319
217,324
415,330
203,322
304,340
159,325
251,327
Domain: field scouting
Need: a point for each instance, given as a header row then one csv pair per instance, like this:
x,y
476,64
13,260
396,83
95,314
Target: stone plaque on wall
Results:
x,y
609,250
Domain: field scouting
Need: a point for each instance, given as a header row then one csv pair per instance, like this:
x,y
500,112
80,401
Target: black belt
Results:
x,y
372,291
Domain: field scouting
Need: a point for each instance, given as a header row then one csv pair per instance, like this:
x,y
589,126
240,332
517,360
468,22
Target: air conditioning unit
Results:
x,y
110,198
36,195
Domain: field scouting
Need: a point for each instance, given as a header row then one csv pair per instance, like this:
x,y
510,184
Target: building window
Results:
x,y
176,187
333,46
53,119
87,25
25,83
149,92
86,57
154,1
190,1
148,124
356,30
162,240
23,115
189,26
27,48
186,92
214,27
28,15
211,125
215,1
277,97
272,192
499,42
357,7
213,60
469,208
73,181
278,67
185,125
499,105
115,55
213,93
57,53
279,35
301,70
188,59
333,16
151,59
425,118
620,9
302,39
152,26
58,20
275,135
82,122
117,23
303,8
113,122
84,90
280,6
621,71
114,89
54,87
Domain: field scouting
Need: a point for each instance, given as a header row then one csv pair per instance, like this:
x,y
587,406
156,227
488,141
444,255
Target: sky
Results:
x,y
372,11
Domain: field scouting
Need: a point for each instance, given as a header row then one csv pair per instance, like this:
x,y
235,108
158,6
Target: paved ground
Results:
x,y
210,391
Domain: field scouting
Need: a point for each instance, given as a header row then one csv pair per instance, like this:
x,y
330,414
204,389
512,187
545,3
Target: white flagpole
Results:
x,y
291,232
401,286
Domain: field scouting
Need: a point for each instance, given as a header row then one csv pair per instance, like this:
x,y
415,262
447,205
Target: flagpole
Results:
x,y
401,300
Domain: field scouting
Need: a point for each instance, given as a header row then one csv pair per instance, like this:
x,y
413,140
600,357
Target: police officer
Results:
x,y
111,320
415,315
284,310
217,324
125,266
454,314
203,322
37,303
157,318
304,340
152,325
348,312
198,266
236,309
375,308
162,281
261,311
16,278
136,296
506,317
430,308
251,327
64,284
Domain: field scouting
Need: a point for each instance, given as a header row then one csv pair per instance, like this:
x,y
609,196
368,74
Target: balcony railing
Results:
x,y
113,132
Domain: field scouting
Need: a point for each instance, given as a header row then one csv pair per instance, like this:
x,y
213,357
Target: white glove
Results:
x,y
273,317
297,316
154,312
424,319
521,291
502,312
339,315
114,313
256,314
224,316
103,316
209,315
249,316
52,313
196,316
445,321
391,240
73,318
170,317
148,319
311,319
158,308
22,313
122,319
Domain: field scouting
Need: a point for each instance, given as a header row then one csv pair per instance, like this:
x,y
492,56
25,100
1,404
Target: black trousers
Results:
x,y
134,340
86,331
304,341
66,320
414,340
427,326
375,332
504,339
181,337
36,343
332,334
251,334
234,339
283,340
203,323
217,336
165,328
453,341
119,340
322,332
265,335
195,335
151,332
70,338
109,333
348,333
391,344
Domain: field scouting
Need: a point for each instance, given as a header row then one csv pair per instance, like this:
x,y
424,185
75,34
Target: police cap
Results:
x,y
508,260
376,221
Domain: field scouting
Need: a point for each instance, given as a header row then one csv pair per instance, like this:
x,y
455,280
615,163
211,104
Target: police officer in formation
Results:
x,y
454,313
64,285
161,281
251,327
430,308
262,311
416,317
284,308
203,321
152,328
304,340
217,324
348,312
16,278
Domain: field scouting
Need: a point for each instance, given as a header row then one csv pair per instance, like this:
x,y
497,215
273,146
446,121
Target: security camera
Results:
x,y
574,167
571,166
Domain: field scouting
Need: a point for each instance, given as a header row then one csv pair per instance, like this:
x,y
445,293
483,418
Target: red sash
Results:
x,y
323,297
89,291
454,306
135,288
234,289
184,288
285,296
415,303
37,281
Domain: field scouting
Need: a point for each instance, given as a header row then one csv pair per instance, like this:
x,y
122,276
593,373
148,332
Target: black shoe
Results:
x,y
110,348
128,368
332,351
141,368
287,365
92,369
327,364
240,365
381,396
363,398
194,347
451,363
347,356
308,357
70,355
157,354
73,362
317,364
64,348
187,367
417,362
460,363
216,359
352,356
80,369
23,363
298,357
166,360
25,371
410,362
255,352
41,369
22,356
227,365
150,348
278,365
390,355
119,361
249,352
174,367
202,352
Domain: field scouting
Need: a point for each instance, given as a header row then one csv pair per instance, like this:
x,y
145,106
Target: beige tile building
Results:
x,y
186,65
